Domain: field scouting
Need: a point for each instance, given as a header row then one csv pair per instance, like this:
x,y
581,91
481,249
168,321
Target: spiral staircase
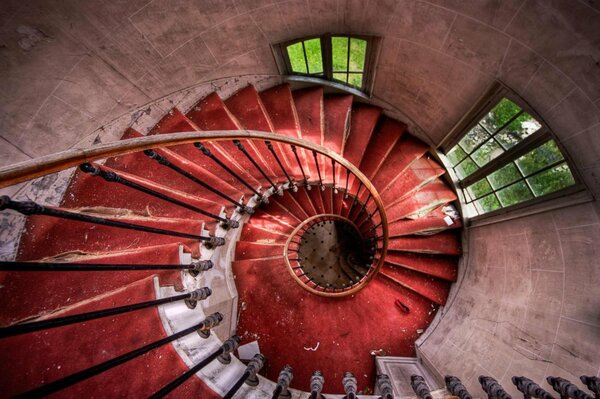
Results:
x,y
237,233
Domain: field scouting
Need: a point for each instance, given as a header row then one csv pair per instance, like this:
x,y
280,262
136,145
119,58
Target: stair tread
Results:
x,y
431,223
406,150
385,136
279,104
429,287
425,200
363,120
337,117
444,267
309,106
442,243
420,173
263,249
291,204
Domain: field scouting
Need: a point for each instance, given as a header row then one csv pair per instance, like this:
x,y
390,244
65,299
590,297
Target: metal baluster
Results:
x,y
455,386
241,147
287,176
195,266
316,385
385,386
65,382
566,389
249,376
592,383
300,165
335,190
420,387
190,298
31,208
223,355
206,151
350,385
347,179
164,161
318,171
530,389
116,178
493,389
283,382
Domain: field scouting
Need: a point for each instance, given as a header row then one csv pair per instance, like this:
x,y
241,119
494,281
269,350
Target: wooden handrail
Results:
x,y
53,163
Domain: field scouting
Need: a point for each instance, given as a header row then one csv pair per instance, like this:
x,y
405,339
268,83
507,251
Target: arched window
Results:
x,y
503,155
339,58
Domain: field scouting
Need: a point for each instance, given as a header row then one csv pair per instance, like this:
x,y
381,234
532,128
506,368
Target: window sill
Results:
x,y
570,196
327,83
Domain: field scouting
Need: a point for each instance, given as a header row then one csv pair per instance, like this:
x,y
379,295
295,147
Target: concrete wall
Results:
x,y
68,68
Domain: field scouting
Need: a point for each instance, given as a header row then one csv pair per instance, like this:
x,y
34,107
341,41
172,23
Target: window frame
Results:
x,y
371,54
485,104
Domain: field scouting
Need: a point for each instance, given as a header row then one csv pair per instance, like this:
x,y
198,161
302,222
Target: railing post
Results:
x,y
530,389
350,385
455,386
566,389
492,388
316,384
283,382
384,385
420,387
249,376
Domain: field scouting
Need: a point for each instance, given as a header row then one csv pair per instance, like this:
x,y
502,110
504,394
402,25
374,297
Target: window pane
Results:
x,y
339,49
341,77
517,130
479,189
487,152
313,55
514,194
551,180
296,56
542,156
476,136
505,175
355,79
487,204
358,51
465,168
499,115
456,155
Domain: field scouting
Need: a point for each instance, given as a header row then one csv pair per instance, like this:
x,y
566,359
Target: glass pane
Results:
x,y
551,180
313,55
505,175
341,77
479,189
355,79
339,49
358,50
465,168
296,56
542,156
499,115
487,152
456,155
517,130
487,204
514,194
476,136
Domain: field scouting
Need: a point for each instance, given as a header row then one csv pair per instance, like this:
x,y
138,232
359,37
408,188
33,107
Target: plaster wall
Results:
x,y
77,72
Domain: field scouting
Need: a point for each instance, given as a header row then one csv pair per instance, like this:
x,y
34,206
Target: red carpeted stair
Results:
x,y
286,320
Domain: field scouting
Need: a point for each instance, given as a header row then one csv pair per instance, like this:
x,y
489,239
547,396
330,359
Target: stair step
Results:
x,y
269,222
420,173
434,289
443,243
59,289
253,232
387,133
406,151
279,104
431,196
363,120
175,121
117,335
317,199
289,202
304,200
309,106
432,223
337,120
262,249
443,267
46,237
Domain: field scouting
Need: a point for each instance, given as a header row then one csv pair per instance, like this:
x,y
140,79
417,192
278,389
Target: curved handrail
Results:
x,y
53,163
